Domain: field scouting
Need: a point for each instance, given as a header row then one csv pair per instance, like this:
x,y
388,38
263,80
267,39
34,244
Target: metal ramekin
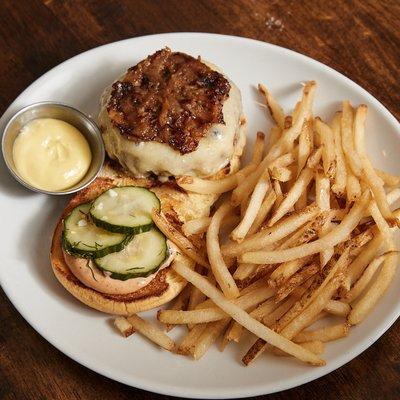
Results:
x,y
47,109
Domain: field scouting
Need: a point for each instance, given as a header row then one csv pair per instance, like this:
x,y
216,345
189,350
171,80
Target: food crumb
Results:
x,y
274,23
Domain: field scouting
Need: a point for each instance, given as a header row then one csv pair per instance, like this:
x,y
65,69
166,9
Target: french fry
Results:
x,y
217,186
315,158
241,192
382,225
351,155
273,136
188,343
282,174
339,187
244,318
335,236
376,291
322,197
258,149
256,200
308,232
302,201
218,266
271,319
357,267
317,287
203,315
272,235
325,334
305,318
196,297
293,195
353,188
199,316
283,161
184,244
288,269
316,346
200,225
151,332
208,337
286,142
278,195
123,326
263,212
374,182
274,108
296,280
196,226
328,148
180,303
364,279
337,308
288,122
243,271
305,145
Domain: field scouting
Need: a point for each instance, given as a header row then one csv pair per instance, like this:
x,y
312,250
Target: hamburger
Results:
x,y
169,115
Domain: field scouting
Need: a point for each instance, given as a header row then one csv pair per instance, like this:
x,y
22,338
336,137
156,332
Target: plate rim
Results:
x,y
174,390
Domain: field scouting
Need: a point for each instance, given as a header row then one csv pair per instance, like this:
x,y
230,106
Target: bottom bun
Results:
x,y
164,287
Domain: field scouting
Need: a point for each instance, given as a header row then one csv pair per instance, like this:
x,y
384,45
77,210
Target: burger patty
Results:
x,y
169,97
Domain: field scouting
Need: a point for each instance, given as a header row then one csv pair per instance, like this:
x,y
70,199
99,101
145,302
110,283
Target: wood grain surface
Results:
x,y
360,39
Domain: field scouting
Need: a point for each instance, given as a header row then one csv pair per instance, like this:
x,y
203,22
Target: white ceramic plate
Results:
x,y
87,336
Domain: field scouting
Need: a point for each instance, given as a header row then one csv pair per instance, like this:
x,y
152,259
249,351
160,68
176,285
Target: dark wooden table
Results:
x,y
361,39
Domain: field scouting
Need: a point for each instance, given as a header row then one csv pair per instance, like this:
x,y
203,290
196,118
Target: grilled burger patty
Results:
x,y
170,98
168,114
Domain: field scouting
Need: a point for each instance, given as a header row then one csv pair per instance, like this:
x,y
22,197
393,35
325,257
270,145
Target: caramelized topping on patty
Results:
x,y
169,98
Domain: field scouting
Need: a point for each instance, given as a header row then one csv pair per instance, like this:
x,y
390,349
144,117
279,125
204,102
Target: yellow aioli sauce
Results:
x,y
51,154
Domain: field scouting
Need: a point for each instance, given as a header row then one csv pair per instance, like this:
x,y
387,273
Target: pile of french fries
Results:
x,y
311,236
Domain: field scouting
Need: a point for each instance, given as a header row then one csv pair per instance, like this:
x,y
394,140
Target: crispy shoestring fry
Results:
x,y
352,156
338,308
217,186
328,148
253,207
196,226
151,332
272,235
123,326
275,109
218,265
184,244
293,195
243,318
322,194
374,182
325,334
305,145
263,212
364,279
339,187
258,149
376,291
335,236
203,315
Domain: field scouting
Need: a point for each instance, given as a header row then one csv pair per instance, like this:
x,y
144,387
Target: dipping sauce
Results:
x,y
51,154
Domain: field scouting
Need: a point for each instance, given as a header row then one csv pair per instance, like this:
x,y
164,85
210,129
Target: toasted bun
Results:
x,y
177,204
166,284
163,288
